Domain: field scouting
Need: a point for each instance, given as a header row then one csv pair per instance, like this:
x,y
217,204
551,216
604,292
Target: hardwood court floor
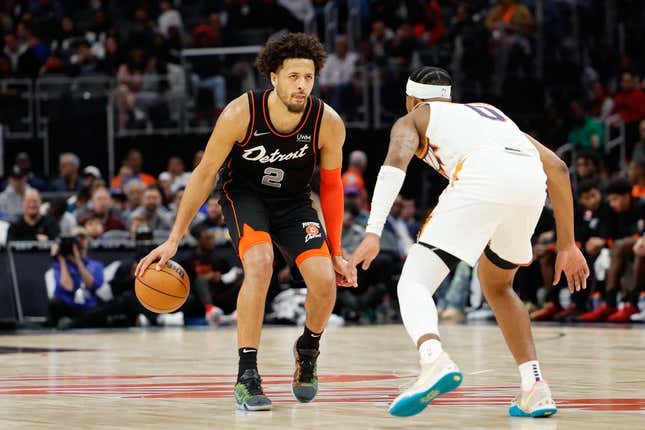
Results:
x,y
182,379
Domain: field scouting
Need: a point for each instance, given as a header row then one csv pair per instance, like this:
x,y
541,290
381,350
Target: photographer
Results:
x,y
77,278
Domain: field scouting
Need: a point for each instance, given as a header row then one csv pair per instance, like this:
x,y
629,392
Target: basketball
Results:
x,y
162,291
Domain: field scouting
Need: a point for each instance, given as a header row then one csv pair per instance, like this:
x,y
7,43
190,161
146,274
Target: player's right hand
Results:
x,y
571,261
161,254
366,251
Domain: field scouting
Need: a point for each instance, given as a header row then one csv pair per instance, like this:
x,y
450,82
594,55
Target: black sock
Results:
x,y
309,340
610,298
248,360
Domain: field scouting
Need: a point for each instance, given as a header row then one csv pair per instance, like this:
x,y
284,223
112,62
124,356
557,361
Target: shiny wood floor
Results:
x,y
182,379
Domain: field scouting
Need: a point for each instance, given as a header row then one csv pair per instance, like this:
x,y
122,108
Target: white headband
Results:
x,y
427,91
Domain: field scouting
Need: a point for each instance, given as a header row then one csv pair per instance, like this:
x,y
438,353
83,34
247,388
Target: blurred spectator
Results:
x,y
178,175
164,182
510,24
31,60
76,279
174,208
352,232
102,209
13,50
636,175
401,48
601,103
90,175
429,26
130,82
58,211
197,158
627,221
66,38
353,196
379,38
32,225
23,160
408,213
134,192
511,16
113,56
629,105
84,62
140,32
68,174
169,19
471,73
214,222
587,132
592,218
151,210
12,197
134,160
122,178
587,166
639,148
398,227
217,283
94,227
353,176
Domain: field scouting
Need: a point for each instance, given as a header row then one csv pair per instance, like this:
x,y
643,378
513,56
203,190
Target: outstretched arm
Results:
x,y
230,128
569,259
332,138
404,142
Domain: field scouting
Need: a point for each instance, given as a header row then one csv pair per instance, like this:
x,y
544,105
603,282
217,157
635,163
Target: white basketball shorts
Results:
x,y
494,198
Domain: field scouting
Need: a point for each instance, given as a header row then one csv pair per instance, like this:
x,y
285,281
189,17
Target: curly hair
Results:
x,y
291,45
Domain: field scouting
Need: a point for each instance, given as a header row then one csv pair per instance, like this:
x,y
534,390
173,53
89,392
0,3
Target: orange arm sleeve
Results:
x,y
332,202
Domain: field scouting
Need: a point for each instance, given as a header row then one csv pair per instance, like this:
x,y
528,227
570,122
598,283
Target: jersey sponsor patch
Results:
x,y
312,230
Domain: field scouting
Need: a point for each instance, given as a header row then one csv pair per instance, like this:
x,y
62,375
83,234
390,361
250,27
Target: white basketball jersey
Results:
x,y
457,130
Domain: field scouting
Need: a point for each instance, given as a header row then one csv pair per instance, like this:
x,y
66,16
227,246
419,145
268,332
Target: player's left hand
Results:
x,y
367,251
346,274
571,261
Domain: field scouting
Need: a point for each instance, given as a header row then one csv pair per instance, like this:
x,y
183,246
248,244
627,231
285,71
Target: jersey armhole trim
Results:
x,y
249,129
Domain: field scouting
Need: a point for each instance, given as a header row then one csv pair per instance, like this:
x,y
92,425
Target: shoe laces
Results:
x,y
253,383
307,363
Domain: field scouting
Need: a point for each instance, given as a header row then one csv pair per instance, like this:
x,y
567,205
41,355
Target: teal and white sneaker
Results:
x,y
535,403
436,379
248,393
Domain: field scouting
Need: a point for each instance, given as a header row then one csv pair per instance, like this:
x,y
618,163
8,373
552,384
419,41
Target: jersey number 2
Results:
x,y
273,177
487,112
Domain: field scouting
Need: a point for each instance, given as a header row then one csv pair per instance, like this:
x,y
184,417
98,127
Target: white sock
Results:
x,y
422,274
429,351
530,373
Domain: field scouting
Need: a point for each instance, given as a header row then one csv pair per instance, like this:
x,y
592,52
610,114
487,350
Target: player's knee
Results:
x,y
258,268
325,287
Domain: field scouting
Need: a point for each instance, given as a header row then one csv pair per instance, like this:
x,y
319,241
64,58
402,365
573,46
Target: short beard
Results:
x,y
293,108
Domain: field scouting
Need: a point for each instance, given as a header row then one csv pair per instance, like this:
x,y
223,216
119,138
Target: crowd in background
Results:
x,y
489,46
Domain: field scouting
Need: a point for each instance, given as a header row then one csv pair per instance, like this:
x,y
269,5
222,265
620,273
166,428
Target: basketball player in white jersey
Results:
x,y
498,182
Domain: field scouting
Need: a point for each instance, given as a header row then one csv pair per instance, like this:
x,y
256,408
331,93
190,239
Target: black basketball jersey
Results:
x,y
270,162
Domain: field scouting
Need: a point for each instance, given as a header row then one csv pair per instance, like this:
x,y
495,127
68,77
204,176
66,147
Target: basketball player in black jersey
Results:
x,y
269,143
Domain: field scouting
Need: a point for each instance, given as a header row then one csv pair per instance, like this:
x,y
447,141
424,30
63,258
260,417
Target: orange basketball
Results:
x,y
165,290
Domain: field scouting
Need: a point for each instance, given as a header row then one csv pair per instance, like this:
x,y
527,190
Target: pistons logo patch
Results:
x,y
312,230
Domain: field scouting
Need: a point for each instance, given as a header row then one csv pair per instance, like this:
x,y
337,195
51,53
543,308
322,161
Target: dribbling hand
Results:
x,y
162,253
